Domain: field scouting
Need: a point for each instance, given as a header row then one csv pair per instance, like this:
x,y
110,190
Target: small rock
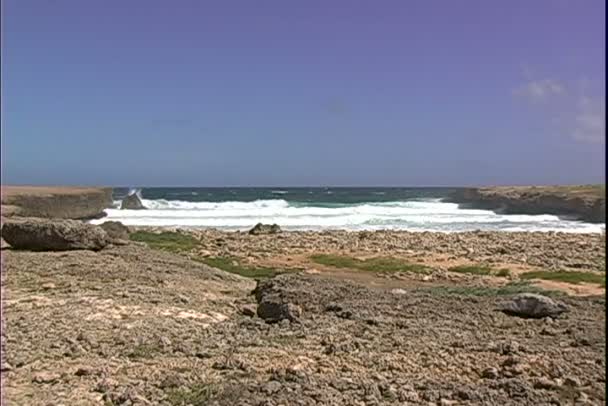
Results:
x,y
572,381
83,371
271,387
447,402
544,383
6,367
48,286
490,373
260,228
45,377
248,310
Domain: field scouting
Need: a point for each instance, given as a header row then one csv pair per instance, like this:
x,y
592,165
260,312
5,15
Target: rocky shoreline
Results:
x,y
92,315
587,203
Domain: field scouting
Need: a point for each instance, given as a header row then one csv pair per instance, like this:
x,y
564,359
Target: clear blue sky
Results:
x,y
315,92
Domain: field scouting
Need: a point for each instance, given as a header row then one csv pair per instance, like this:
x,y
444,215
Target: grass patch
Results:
x,y
568,277
382,264
166,241
233,266
480,270
196,395
512,288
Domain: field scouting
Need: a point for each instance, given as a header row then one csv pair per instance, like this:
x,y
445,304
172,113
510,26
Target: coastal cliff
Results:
x,y
78,203
587,203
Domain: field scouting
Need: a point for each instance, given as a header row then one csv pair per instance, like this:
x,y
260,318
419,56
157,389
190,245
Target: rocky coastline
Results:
x,y
586,203
116,315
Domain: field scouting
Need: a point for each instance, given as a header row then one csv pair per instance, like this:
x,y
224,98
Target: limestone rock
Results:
x,y
132,202
265,229
115,230
272,309
48,235
531,305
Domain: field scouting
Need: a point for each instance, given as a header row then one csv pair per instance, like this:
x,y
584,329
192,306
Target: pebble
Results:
x,y
490,373
45,377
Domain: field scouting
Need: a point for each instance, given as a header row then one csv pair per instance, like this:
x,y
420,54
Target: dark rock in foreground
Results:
x,y
115,230
265,229
48,235
132,202
272,309
530,305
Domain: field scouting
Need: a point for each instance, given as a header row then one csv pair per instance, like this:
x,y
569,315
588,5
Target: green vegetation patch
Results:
x,y
508,289
233,266
566,276
381,264
196,395
166,240
480,270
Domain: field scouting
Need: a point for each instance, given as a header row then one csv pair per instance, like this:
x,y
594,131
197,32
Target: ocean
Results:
x,y
412,209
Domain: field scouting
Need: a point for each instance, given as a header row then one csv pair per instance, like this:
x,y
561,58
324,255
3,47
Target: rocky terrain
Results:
x,y
539,249
586,203
129,325
55,202
91,316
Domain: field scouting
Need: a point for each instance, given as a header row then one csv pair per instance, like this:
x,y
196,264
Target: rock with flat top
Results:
x,y
53,235
531,305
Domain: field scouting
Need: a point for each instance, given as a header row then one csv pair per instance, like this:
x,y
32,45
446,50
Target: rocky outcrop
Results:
x,y
115,230
132,202
260,228
587,203
531,305
77,203
53,235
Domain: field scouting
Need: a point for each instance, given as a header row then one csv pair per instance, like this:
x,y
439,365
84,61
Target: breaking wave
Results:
x,y
415,215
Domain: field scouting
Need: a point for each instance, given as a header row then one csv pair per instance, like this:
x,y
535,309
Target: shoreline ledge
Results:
x,y
64,202
585,202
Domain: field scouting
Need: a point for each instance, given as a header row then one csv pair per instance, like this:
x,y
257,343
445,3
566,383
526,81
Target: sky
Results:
x,y
303,93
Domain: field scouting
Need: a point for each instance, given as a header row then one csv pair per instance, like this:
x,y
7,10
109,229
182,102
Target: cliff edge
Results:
x,y
586,203
79,203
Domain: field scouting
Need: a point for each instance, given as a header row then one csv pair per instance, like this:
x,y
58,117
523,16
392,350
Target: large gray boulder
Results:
x,y
115,230
53,235
531,305
132,202
265,229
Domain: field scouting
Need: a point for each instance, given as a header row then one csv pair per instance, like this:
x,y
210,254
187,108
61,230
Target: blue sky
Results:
x,y
217,93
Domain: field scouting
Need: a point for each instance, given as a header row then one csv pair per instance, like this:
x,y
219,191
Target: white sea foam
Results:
x,y
429,215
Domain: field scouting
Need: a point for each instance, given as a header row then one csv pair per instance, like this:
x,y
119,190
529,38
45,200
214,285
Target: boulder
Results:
x,y
531,305
265,229
273,310
132,202
53,235
115,230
